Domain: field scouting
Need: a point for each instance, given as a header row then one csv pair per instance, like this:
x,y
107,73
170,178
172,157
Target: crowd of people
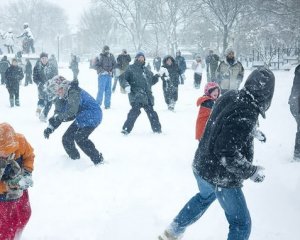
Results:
x,y
225,127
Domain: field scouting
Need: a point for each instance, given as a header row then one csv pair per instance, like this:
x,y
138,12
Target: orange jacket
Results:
x,y
203,115
11,142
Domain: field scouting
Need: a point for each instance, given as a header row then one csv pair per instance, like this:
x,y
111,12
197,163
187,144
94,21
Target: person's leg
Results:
x,y
233,202
11,97
8,49
101,88
24,213
17,98
194,208
297,140
131,118
86,145
153,118
116,79
107,98
68,141
3,78
165,92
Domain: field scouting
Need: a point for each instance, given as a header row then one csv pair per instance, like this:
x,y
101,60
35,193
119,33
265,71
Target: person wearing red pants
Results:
x,y
16,166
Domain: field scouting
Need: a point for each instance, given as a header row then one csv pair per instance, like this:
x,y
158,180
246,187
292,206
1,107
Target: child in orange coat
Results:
x,y
206,102
16,165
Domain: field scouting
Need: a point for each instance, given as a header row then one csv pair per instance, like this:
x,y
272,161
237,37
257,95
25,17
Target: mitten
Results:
x,y
260,135
258,175
47,132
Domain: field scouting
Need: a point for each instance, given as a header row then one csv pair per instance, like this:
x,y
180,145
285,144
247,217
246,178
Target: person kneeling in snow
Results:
x,y
224,157
16,165
73,103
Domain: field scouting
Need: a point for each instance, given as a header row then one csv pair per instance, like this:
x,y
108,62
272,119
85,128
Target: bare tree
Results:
x,y
132,15
97,24
223,14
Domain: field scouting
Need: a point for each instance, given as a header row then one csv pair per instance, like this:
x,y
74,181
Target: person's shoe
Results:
x,y
42,117
107,107
158,131
75,157
167,236
296,157
124,132
99,160
17,102
38,111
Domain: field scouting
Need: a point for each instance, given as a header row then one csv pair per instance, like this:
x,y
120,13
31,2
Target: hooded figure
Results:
x,y
224,157
16,165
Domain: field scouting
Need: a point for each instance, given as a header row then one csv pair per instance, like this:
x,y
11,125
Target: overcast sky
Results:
x,y
73,8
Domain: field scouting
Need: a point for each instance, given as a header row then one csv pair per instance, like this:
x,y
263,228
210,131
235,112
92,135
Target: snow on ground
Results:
x,y
147,178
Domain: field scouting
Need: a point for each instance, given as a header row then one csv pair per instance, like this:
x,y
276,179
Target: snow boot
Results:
x,y
17,102
98,160
11,101
167,236
38,111
124,132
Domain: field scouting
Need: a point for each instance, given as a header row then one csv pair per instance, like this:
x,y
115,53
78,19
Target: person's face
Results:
x,y
60,92
44,60
124,52
215,93
230,55
141,59
169,61
14,63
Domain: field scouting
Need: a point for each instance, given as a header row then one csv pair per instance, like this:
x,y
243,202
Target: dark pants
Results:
x,y
197,80
80,136
170,93
14,96
9,49
28,79
48,105
135,111
3,78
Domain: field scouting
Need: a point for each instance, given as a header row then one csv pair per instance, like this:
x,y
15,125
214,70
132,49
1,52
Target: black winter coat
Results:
x,y
140,80
13,75
28,68
225,152
294,99
4,65
173,71
123,61
181,64
42,73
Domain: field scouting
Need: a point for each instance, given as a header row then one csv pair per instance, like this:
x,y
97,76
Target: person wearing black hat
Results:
x,y
224,157
105,64
42,72
123,61
137,82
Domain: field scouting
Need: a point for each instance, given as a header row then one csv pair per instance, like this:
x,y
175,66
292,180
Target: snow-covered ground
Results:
x,y
147,178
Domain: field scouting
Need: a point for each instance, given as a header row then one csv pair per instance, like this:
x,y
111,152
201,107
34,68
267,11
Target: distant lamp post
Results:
x,y
58,48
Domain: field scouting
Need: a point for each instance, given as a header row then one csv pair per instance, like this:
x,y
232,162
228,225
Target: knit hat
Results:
x,y
229,50
43,54
56,83
139,54
210,87
8,141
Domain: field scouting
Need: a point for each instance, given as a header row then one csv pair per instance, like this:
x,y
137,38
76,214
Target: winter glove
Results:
x,y
260,135
258,176
47,132
54,122
21,182
127,89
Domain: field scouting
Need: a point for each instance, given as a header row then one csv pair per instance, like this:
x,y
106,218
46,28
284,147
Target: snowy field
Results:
x,y
147,178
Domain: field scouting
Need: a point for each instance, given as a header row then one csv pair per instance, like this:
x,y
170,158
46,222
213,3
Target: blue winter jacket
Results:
x,y
78,105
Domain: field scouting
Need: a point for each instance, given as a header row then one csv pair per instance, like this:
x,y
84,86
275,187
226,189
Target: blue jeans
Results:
x,y
104,87
233,202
